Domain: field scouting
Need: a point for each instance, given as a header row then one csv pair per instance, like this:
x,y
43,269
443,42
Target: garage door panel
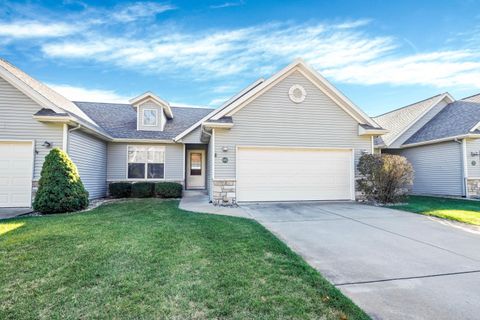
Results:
x,y
278,174
16,171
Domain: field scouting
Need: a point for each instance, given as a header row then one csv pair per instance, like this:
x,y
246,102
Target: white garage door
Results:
x,y
290,174
16,167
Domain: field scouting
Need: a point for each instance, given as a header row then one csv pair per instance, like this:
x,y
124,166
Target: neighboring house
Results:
x,y
440,137
291,137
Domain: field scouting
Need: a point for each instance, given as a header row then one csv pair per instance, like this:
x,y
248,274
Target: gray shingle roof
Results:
x,y
49,113
397,120
457,118
120,120
222,120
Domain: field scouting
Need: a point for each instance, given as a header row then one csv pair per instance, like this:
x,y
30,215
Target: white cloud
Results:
x,y
85,94
442,69
35,29
227,5
140,10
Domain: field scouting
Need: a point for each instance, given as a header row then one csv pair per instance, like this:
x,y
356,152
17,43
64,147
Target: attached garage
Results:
x,y
292,174
16,171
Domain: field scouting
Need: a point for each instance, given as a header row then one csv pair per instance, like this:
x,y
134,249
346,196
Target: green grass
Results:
x,y
466,211
149,259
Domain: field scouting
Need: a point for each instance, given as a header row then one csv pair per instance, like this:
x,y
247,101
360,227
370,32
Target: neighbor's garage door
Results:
x,y
284,174
16,165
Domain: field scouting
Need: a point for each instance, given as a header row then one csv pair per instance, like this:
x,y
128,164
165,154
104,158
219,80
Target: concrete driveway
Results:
x,y
393,264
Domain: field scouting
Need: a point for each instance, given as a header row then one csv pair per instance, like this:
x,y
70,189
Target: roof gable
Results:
x,y
319,81
400,120
39,92
149,96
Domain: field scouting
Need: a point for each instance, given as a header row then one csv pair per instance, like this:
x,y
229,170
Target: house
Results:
x,y
291,137
440,136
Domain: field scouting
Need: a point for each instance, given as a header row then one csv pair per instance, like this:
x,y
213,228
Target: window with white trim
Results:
x,y
146,162
150,117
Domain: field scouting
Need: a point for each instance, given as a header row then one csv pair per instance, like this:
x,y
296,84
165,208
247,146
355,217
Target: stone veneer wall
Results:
x,y
473,188
224,192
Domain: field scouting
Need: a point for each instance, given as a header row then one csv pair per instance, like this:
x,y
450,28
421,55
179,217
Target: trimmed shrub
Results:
x,y
60,188
168,189
143,189
120,189
385,178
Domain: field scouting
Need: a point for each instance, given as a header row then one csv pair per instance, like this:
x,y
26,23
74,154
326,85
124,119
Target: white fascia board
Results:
x,y
371,132
142,140
217,125
459,137
154,98
475,127
442,97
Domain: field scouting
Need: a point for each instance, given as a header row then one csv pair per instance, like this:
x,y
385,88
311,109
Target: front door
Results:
x,y
196,169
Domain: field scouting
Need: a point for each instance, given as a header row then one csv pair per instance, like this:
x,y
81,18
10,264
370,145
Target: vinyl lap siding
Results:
x,y
117,161
210,157
274,120
438,168
16,123
194,136
473,171
90,156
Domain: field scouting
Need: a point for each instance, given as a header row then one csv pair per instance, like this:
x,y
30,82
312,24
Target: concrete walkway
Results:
x,y
197,201
7,213
393,264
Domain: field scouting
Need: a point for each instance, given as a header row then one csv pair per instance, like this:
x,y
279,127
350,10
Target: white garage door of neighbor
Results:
x,y
16,168
291,174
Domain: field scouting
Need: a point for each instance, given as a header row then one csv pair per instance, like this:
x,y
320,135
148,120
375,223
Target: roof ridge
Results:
x,y
473,95
408,105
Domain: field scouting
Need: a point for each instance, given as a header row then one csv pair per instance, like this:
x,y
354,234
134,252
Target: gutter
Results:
x,y
454,138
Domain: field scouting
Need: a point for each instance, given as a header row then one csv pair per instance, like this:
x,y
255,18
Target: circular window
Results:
x,y
297,93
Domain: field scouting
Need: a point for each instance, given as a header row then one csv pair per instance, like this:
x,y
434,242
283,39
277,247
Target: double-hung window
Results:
x,y
146,162
150,117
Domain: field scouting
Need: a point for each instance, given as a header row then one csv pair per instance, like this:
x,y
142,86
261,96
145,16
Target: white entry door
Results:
x,y
196,169
16,171
294,174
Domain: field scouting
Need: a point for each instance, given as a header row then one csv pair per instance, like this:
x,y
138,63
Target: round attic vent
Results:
x,y
297,93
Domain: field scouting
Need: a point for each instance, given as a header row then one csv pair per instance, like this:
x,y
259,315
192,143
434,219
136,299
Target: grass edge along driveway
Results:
x,y
149,259
466,211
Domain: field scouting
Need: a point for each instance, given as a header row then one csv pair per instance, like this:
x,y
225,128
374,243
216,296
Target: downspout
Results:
x,y
65,138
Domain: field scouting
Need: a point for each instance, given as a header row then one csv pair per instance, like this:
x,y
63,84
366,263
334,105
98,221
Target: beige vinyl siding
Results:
x,y
160,116
90,156
274,120
117,161
438,168
473,170
194,136
16,123
419,124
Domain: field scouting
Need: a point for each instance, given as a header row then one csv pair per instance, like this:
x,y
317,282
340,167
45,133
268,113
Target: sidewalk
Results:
x,y
197,201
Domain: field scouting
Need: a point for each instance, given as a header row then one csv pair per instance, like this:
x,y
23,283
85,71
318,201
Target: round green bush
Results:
x,y
168,189
60,188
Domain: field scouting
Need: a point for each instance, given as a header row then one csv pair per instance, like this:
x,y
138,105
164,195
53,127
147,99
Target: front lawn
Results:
x,y
149,259
453,209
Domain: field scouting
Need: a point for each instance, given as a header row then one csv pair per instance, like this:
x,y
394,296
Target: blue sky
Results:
x,y
381,54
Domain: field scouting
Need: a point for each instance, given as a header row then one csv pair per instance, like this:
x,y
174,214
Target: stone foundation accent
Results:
x,y
224,193
473,188
34,189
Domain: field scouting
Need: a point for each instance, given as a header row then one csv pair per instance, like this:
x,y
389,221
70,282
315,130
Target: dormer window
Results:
x,y
150,117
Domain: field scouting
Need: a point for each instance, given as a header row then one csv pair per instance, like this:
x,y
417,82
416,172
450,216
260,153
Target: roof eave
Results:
x,y
453,138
